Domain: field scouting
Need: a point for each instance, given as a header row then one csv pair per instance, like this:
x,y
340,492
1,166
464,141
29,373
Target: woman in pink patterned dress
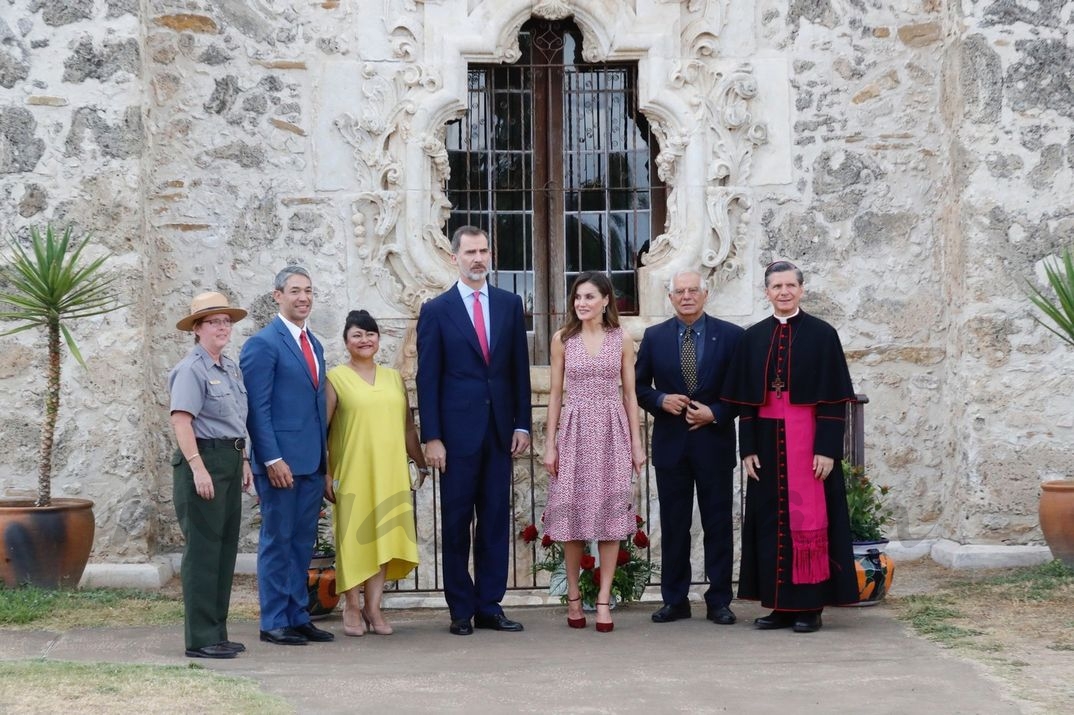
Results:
x,y
598,446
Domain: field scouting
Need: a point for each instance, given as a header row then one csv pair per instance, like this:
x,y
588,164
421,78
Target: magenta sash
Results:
x,y
805,493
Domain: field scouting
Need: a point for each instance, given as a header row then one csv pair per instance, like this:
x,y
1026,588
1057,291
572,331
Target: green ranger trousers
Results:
x,y
211,530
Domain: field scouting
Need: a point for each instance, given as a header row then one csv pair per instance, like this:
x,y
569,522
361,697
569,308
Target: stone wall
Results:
x,y
914,158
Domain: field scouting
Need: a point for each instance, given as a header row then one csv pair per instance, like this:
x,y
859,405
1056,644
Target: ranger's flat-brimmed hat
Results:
x,y
208,304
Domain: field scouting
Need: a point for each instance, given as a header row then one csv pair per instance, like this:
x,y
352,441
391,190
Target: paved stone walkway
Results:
x,y
862,661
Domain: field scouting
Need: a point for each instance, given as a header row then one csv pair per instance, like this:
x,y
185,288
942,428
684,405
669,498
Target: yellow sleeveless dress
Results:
x,y
374,512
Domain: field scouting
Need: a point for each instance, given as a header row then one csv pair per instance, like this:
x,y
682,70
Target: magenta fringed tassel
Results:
x,y
810,556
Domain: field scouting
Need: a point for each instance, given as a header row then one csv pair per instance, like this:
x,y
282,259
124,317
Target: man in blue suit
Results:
x,y
474,401
283,367
679,373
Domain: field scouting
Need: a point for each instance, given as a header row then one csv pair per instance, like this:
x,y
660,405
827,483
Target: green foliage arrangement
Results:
x,y
1060,311
48,285
865,502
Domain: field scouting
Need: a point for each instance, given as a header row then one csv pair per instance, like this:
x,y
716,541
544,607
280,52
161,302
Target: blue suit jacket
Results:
x,y
457,391
287,416
658,372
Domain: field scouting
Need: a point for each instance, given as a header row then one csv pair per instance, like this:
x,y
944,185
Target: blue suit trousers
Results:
x,y
288,532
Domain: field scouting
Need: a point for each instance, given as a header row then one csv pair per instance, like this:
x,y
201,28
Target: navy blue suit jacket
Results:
x,y
287,417
457,390
658,372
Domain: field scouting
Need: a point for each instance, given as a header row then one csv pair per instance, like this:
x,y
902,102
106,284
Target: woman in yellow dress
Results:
x,y
370,434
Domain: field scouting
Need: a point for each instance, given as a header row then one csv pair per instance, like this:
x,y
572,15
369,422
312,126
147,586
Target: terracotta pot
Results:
x,y
875,570
45,546
321,581
1057,518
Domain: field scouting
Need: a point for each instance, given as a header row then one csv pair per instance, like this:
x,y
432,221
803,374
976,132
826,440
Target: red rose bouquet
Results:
x,y
632,573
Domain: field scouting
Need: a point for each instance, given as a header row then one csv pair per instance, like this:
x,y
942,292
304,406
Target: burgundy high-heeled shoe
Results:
x,y
575,622
605,627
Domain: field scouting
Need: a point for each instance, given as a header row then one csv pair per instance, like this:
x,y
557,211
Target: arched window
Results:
x,y
554,159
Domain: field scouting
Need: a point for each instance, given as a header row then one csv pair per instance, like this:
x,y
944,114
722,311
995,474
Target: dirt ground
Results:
x,y
1024,641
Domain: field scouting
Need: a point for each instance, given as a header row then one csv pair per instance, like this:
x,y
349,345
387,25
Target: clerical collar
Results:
x,y
784,320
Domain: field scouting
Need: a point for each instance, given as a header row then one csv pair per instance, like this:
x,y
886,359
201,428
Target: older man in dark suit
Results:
x,y
679,372
474,399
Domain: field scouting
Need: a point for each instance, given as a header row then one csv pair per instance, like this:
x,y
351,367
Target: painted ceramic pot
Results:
x,y
875,570
323,598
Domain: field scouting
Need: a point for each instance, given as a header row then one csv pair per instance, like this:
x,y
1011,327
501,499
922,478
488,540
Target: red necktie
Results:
x,y
307,350
479,325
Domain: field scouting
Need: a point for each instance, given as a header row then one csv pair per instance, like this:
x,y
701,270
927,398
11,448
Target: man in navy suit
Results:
x,y
679,372
283,367
474,400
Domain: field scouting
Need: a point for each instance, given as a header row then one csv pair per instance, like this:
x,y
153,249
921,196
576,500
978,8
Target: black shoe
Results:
x,y
809,622
723,615
461,627
313,633
233,645
210,651
498,622
284,636
669,613
775,619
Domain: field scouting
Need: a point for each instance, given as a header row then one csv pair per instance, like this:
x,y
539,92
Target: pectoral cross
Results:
x,y
777,385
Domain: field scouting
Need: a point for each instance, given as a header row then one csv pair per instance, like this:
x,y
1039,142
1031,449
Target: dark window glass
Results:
x,y
554,158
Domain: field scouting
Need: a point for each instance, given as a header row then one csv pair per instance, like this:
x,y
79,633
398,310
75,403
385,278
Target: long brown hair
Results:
x,y
603,284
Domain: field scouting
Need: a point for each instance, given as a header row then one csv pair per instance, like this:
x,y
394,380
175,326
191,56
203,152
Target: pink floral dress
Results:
x,y
590,498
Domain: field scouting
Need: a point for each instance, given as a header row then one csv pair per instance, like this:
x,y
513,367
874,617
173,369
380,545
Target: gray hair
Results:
x,y
456,238
687,272
782,267
281,277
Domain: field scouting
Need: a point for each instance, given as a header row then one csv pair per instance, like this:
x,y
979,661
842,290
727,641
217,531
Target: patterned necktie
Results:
x,y
479,325
689,361
307,350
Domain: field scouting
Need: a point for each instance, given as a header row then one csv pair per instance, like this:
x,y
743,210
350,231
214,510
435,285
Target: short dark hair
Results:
x,y
281,278
782,267
456,238
360,319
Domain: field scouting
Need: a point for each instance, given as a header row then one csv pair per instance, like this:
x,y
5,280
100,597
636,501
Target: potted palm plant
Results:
x,y
45,541
1057,497
868,517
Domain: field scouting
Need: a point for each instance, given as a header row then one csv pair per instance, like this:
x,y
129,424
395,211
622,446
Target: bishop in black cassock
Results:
x,y
792,362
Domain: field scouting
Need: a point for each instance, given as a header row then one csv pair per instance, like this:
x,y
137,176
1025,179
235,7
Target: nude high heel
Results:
x,y
382,630
348,630
575,622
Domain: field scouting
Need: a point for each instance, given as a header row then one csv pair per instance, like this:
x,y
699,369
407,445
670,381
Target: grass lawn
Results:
x,y
48,686
51,686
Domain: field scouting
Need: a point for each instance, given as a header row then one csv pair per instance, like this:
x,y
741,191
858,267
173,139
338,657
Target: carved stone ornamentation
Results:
x,y
672,148
402,21
553,10
402,165
721,102
379,137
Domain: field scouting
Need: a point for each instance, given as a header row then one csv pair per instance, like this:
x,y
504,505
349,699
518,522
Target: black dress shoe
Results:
x,y
498,622
284,636
233,645
723,615
210,651
809,622
461,627
775,619
669,612
313,633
